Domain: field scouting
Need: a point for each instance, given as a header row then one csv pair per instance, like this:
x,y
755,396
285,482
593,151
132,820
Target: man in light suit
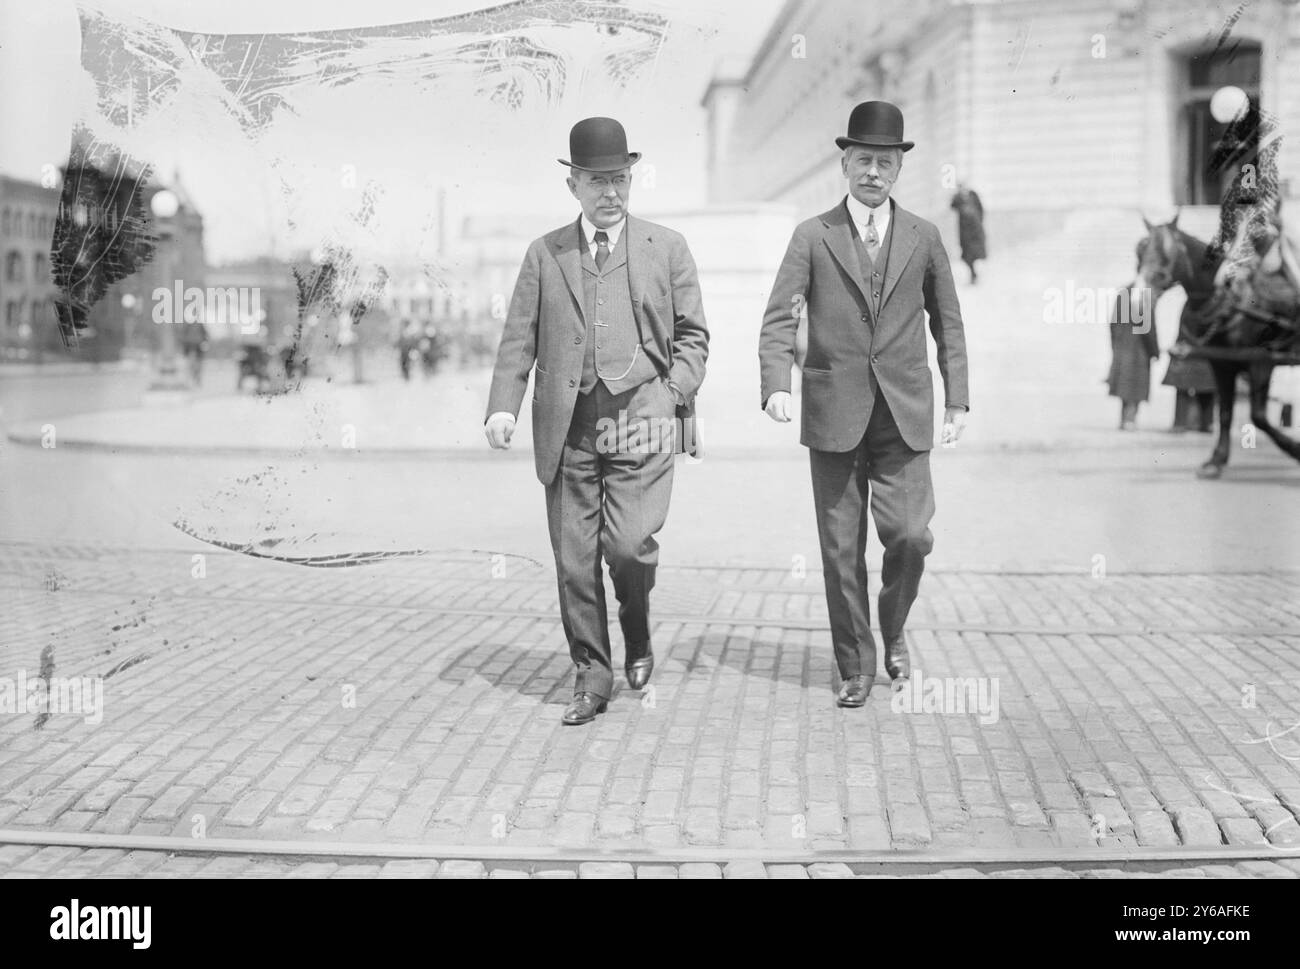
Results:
x,y
607,307
867,272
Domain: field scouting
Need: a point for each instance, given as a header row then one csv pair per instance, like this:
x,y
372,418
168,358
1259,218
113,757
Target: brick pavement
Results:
x,y
417,702
21,861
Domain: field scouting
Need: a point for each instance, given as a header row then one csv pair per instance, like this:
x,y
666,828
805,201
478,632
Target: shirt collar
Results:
x,y
859,213
589,231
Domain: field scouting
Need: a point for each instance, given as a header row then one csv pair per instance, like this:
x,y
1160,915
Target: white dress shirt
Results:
x,y
860,212
589,230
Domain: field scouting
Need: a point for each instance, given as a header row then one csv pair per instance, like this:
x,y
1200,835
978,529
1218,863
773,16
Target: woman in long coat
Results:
x,y
1132,350
970,227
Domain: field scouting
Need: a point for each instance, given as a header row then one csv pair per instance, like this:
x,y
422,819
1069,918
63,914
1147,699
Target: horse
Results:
x,y
1169,257
1241,318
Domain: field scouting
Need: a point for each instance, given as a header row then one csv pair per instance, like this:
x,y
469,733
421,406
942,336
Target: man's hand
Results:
x,y
954,422
499,429
778,407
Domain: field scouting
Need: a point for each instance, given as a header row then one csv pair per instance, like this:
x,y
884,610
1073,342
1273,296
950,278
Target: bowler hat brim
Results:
x,y
874,143
604,163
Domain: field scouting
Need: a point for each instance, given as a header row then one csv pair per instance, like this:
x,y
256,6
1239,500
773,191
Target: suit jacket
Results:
x,y
546,327
851,351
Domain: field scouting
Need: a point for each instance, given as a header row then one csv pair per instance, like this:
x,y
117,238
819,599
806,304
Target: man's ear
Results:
x,y
573,186
844,164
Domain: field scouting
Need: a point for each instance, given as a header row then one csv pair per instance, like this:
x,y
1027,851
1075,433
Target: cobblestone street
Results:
x,y
414,705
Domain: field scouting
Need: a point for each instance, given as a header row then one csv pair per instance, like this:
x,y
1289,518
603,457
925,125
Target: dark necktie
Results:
x,y
602,248
872,238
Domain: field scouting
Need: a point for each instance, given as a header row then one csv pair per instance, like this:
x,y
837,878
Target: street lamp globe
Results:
x,y
1228,103
164,204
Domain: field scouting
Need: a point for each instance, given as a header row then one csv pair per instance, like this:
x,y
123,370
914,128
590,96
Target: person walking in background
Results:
x,y
607,308
1133,347
432,349
194,345
970,226
868,272
407,342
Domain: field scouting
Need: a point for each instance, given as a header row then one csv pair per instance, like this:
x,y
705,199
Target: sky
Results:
x,y
403,140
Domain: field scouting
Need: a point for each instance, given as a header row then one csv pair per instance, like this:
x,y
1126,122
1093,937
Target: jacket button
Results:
x,y
572,383
577,339
864,317
876,293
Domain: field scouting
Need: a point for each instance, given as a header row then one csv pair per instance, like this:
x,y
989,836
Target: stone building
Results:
x,y
27,321
1048,108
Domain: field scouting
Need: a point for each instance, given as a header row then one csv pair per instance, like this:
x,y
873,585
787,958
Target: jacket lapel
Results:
x,y
900,250
566,248
839,240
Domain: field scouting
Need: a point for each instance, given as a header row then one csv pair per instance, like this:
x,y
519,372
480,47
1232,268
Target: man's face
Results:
x,y
871,172
602,195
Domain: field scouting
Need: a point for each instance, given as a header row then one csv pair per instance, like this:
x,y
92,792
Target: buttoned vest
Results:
x,y
614,353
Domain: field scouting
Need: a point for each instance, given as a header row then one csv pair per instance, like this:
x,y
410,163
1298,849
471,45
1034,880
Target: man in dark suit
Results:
x,y
867,272
608,309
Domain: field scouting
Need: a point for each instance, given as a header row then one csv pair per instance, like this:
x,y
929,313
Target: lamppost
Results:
x,y
167,375
131,305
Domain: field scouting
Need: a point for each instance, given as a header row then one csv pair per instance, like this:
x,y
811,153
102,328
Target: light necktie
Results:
x,y
602,248
872,238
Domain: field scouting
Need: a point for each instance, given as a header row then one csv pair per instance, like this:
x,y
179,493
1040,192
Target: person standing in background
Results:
x,y
1133,347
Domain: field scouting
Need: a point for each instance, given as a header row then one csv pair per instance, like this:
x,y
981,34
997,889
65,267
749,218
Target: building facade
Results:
x,y
28,327
120,321
1045,107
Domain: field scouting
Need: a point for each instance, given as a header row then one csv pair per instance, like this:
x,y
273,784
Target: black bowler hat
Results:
x,y
875,124
599,145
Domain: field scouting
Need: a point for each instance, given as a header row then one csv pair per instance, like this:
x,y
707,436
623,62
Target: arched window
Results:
x,y
4,222
14,267
40,272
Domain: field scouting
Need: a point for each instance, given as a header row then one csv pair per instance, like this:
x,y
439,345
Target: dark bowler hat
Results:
x,y
599,145
876,124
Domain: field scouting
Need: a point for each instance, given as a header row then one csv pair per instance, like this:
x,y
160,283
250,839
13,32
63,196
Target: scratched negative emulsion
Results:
x,y
261,126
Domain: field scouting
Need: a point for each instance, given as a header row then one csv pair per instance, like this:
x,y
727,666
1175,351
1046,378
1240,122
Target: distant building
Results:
x,y
121,319
1048,108
27,322
273,281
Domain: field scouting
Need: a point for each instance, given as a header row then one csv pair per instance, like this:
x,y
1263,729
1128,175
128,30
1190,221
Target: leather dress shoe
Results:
x,y
583,709
854,690
897,663
638,670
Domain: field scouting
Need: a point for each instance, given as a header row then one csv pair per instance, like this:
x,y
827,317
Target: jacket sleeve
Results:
x,y
518,349
690,331
941,304
776,340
